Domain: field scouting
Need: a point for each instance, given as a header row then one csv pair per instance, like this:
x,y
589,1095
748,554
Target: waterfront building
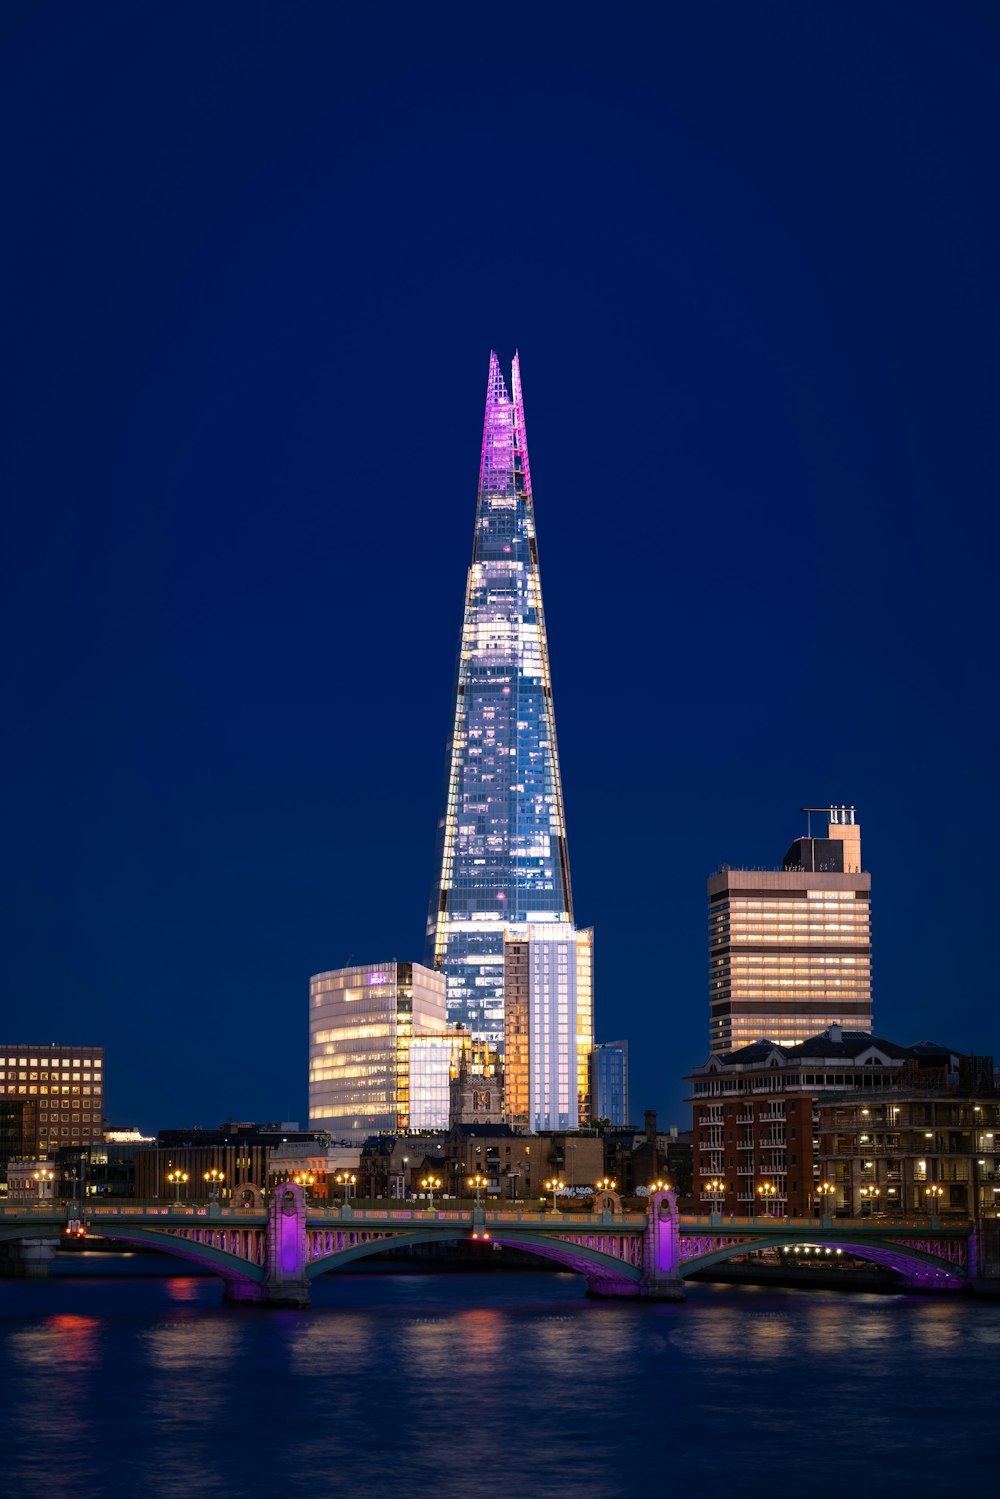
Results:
x,y
502,857
927,1144
362,1023
609,1081
790,1117
790,949
547,1040
63,1090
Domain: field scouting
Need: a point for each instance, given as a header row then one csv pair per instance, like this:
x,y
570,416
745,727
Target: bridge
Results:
x,y
272,1253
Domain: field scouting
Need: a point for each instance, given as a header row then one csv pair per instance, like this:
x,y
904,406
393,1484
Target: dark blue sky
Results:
x,y
253,263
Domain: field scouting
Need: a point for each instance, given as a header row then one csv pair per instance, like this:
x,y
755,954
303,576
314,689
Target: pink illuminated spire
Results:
x,y
496,467
520,433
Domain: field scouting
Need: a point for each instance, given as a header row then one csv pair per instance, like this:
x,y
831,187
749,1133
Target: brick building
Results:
x,y
858,1110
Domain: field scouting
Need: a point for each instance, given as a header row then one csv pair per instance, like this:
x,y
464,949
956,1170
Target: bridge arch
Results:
x,y
231,1267
594,1264
915,1266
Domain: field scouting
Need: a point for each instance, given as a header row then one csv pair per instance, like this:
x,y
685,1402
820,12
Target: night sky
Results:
x,y
253,264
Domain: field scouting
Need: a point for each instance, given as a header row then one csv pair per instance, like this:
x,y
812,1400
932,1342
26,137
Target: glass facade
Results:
x,y
541,1067
431,1063
502,855
609,1071
362,1025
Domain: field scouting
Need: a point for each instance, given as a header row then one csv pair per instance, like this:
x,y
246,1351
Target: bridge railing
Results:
x,y
775,1224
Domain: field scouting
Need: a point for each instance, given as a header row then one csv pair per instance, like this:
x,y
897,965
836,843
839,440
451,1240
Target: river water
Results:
x,y
469,1385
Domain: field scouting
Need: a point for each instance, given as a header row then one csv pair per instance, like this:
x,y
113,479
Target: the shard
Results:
x,y
502,858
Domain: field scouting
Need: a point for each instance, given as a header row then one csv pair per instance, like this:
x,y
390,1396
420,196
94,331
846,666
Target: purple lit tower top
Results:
x,y
502,855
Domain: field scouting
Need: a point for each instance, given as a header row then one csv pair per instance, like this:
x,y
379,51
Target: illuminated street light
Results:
x,y
872,1194
177,1180
826,1190
477,1183
554,1185
716,1189
43,1182
606,1184
347,1180
430,1185
934,1194
766,1191
305,1180
215,1177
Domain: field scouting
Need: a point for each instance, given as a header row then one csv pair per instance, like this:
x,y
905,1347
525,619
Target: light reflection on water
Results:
x,y
452,1384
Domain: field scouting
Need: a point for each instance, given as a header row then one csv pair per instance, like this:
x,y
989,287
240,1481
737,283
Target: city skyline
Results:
x,y
241,450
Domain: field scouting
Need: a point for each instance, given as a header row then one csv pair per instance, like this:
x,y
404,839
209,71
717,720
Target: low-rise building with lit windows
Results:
x,y
63,1087
880,1122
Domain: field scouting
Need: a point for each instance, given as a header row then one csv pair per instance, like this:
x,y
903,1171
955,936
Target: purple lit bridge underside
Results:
x,y
271,1255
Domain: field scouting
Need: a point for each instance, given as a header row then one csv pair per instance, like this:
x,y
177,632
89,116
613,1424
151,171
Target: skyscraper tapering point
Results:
x,y
502,863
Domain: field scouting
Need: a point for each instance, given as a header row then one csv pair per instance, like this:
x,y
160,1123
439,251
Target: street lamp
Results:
x,y
606,1184
872,1194
826,1189
214,1177
935,1194
554,1185
661,1186
43,1180
305,1180
430,1185
402,1183
716,1189
765,1192
177,1180
477,1183
347,1180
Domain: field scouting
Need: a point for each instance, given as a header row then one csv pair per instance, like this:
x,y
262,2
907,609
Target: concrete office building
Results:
x,y
790,948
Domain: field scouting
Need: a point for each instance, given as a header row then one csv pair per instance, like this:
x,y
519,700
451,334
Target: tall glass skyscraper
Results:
x,y
502,858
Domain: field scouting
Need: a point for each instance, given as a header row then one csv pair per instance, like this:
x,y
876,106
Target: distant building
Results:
x,y
790,949
362,1023
240,1152
609,1081
63,1090
476,1091
548,1026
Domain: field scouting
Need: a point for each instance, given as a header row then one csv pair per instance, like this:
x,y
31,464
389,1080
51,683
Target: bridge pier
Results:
x,y
661,1251
26,1259
285,1281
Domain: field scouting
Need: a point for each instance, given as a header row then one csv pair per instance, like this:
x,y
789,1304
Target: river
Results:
x,y
468,1386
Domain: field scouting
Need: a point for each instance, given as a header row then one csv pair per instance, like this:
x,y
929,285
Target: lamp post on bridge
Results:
x,y
214,1177
43,1180
178,1179
477,1183
826,1190
766,1191
347,1180
716,1189
935,1195
305,1180
554,1185
430,1185
872,1195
